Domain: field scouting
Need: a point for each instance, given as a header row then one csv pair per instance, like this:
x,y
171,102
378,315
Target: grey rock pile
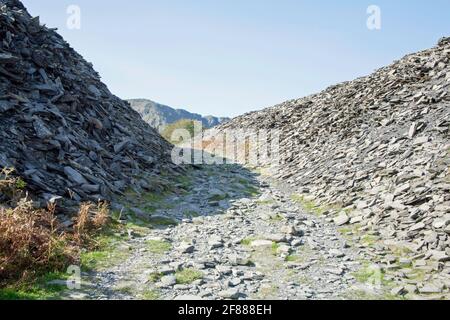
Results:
x,y
61,128
378,149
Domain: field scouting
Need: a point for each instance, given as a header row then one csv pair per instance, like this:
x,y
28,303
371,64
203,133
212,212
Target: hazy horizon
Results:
x,y
226,58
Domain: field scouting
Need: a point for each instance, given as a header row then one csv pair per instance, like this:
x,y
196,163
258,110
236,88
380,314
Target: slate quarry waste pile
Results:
x,y
373,154
61,128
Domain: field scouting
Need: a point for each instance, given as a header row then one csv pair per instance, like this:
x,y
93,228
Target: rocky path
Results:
x,y
241,236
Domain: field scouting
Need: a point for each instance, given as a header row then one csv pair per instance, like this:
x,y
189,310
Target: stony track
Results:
x,y
228,246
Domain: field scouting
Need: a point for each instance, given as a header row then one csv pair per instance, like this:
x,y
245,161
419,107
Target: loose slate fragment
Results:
x,y
61,124
376,147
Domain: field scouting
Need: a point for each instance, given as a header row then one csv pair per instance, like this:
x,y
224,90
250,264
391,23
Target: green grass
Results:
x,y
401,251
187,276
183,124
39,290
363,295
127,290
370,274
108,252
248,241
369,240
417,274
269,291
308,205
160,221
275,247
277,218
252,191
191,214
154,277
139,229
292,258
315,208
158,246
153,197
150,295
244,182
20,184
184,181
218,197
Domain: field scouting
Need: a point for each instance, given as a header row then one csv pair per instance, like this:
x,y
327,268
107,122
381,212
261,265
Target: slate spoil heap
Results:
x,y
377,148
61,128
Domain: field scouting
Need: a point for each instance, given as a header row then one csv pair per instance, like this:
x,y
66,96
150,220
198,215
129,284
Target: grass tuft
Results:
x,y
187,276
158,247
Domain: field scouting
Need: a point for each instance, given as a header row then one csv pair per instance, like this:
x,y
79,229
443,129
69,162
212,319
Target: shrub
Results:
x,y
32,241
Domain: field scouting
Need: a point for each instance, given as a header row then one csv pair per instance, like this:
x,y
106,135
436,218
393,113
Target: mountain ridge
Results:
x,y
159,115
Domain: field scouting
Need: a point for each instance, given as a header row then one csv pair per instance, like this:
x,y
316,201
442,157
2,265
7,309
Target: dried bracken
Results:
x,y
32,241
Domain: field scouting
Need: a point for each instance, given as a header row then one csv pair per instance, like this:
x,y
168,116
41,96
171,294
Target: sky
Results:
x,y
228,57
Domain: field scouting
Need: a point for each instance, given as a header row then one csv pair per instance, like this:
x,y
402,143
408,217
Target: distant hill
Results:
x,y
159,115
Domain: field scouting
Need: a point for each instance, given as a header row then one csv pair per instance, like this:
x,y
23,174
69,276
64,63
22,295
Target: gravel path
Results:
x,y
229,246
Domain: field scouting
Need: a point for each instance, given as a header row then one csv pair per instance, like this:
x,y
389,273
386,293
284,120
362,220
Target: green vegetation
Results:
x,y
268,291
184,124
158,246
218,197
371,274
308,205
313,207
364,295
369,240
125,289
252,191
247,241
35,248
20,184
154,277
276,217
108,251
138,229
150,295
292,258
162,221
187,276
275,247
191,214
40,289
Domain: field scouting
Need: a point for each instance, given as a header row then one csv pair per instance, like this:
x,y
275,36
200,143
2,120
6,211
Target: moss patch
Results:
x,y
369,240
218,197
187,276
150,295
371,274
158,246
292,258
162,221
308,205
39,290
191,214
155,277
276,217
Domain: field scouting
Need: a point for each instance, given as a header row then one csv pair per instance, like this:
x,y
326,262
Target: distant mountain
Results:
x,y
159,115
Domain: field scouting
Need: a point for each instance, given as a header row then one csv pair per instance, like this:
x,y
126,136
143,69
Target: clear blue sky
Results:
x,y
227,57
